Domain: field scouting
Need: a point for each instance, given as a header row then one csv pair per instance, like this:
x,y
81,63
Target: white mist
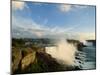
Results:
x,y
63,52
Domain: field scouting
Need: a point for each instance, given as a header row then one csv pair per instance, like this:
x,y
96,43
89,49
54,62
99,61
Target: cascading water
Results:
x,y
63,52
67,53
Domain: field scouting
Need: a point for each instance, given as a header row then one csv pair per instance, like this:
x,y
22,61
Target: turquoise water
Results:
x,y
90,59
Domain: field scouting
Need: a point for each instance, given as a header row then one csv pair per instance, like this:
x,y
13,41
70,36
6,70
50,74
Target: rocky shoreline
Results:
x,y
34,59
38,62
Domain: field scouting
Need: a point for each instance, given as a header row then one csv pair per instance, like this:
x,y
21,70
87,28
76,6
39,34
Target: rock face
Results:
x,y
16,58
27,60
22,58
34,59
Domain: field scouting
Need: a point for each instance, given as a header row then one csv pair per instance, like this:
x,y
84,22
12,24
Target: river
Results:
x,y
90,59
